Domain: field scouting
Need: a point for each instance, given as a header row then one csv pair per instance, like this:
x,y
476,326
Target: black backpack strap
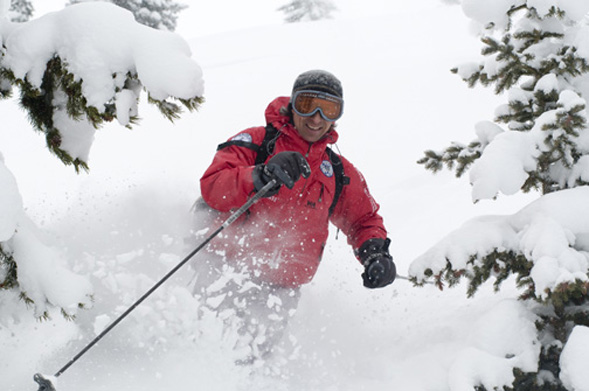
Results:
x,y
267,147
263,150
239,143
340,178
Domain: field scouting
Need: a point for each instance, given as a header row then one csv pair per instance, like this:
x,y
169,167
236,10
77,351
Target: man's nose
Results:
x,y
317,117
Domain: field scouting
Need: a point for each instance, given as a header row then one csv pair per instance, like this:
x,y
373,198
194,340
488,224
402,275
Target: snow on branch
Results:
x,y
537,52
545,244
30,268
87,64
496,13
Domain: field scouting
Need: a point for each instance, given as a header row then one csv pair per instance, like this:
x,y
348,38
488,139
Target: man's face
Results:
x,y
311,128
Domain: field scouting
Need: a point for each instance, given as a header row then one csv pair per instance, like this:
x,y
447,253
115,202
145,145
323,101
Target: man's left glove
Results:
x,y
379,268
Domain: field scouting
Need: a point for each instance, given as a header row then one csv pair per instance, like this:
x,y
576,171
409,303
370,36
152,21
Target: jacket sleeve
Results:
x,y
228,183
356,212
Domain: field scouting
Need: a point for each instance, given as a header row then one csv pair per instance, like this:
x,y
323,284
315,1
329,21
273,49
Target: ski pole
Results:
x,y
45,383
401,277
409,279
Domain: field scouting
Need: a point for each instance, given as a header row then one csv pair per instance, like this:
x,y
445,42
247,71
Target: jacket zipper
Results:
x,y
306,180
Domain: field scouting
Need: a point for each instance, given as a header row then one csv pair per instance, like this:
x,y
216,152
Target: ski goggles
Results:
x,y
306,103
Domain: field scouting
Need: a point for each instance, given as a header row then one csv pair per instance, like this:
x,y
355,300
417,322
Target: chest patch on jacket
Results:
x,y
246,137
326,168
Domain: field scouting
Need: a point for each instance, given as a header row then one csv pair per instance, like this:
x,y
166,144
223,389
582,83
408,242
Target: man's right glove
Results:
x,y
286,167
379,268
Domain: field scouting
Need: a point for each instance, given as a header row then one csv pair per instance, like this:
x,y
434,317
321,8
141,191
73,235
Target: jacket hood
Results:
x,y
283,123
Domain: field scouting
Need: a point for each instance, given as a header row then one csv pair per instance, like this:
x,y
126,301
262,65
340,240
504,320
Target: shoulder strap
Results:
x,y
340,178
267,147
263,150
239,143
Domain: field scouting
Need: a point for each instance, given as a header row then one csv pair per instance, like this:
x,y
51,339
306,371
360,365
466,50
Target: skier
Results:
x,y
252,272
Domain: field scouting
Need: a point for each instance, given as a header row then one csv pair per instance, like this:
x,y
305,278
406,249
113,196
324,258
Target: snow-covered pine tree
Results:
x,y
79,73
20,10
159,14
61,90
537,54
307,10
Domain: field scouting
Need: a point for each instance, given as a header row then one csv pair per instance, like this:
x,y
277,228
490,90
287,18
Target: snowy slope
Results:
x,y
124,224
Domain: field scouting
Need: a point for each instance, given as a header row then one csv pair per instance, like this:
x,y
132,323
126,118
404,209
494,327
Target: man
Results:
x,y
252,273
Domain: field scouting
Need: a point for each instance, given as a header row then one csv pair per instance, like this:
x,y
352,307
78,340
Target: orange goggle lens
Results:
x,y
307,103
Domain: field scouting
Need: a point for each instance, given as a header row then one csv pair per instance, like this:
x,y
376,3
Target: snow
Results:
x,y
46,280
78,136
546,231
4,6
121,227
503,166
98,40
503,338
486,131
486,12
10,202
574,360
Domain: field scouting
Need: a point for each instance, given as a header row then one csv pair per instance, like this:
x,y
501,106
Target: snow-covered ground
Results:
x,y
124,224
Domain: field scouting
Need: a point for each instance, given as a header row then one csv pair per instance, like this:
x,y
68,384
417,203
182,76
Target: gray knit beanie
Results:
x,y
318,80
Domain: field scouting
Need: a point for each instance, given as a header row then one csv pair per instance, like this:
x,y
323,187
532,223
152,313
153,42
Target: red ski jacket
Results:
x,y
281,238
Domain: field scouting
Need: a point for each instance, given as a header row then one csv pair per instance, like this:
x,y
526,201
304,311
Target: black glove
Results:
x,y
286,167
379,268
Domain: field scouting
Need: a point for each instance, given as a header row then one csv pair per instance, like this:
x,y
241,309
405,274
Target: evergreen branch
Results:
x,y
53,140
8,270
569,294
168,109
192,104
529,38
40,105
67,316
544,102
26,299
515,64
37,103
171,110
5,83
447,275
514,9
556,12
548,363
520,117
473,78
456,157
499,264
9,280
432,161
44,316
